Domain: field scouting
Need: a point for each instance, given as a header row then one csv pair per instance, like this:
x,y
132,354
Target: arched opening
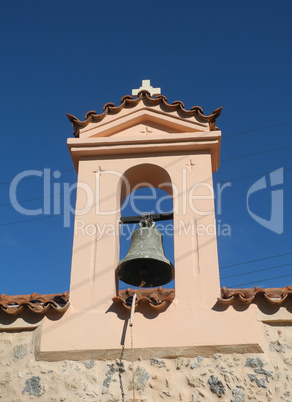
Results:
x,y
147,188
144,175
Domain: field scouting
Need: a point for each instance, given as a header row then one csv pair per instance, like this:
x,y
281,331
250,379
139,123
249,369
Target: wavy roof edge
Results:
x,y
39,304
130,101
156,298
275,296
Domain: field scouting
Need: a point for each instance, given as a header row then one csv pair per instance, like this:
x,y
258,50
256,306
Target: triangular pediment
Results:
x,y
145,128
142,122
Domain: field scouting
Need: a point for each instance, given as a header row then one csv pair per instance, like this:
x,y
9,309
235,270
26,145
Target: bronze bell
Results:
x,y
145,261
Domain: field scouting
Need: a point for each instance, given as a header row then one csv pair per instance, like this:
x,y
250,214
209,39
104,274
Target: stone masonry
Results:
x,y
233,377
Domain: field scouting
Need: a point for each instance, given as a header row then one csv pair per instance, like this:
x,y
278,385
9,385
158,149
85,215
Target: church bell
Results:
x,y
145,262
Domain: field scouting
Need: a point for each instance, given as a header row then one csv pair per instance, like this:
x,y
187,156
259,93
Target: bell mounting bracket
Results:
x,y
146,219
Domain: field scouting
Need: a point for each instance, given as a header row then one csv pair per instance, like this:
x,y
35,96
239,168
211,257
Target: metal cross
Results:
x,y
146,85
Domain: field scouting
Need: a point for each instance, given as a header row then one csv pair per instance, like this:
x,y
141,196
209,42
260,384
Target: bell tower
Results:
x,y
146,139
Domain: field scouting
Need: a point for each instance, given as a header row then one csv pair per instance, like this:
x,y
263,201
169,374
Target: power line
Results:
x,y
256,153
247,177
54,195
224,160
34,177
258,259
262,280
32,219
256,270
258,129
36,198
245,273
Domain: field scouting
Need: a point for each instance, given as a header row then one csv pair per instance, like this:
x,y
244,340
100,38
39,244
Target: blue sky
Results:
x,y
72,57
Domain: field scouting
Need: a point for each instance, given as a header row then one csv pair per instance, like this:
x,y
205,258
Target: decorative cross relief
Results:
x,y
190,165
99,170
146,131
146,85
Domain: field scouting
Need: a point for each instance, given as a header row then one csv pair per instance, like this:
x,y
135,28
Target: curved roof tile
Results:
x,y
129,102
156,298
247,296
39,304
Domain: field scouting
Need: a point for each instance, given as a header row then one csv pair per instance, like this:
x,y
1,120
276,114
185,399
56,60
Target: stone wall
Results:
x,y
226,377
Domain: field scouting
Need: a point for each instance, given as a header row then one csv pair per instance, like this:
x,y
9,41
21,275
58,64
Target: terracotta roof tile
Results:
x,y
130,101
39,304
156,298
247,296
